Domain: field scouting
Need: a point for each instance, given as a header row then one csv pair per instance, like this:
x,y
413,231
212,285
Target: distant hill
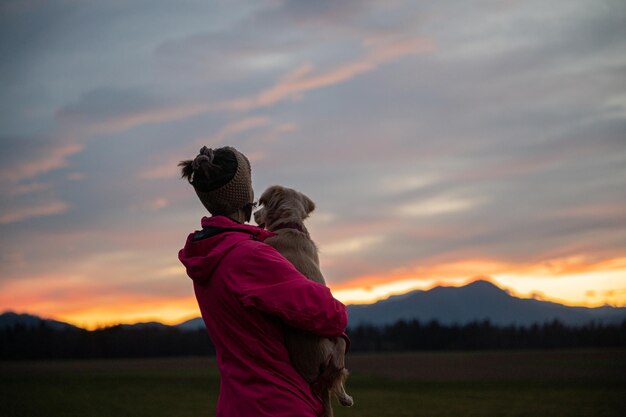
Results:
x,y
481,300
193,324
147,325
478,301
11,319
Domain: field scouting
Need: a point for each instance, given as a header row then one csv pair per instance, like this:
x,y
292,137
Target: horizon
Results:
x,y
146,320
439,142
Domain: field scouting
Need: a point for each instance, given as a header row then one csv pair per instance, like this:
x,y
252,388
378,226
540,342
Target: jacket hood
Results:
x,y
205,249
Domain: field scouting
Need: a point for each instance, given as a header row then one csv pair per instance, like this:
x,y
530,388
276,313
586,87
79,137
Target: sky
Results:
x,y
441,141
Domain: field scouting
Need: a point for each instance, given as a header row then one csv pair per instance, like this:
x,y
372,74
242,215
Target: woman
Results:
x,y
247,293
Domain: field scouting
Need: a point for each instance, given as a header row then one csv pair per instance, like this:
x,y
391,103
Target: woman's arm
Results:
x,y
270,283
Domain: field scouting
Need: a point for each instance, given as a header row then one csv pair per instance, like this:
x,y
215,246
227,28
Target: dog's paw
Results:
x,y
346,400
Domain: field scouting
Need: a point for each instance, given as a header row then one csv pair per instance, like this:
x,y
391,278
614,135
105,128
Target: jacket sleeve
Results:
x,y
270,283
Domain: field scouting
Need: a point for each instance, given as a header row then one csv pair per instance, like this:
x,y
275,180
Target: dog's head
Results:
x,y
282,205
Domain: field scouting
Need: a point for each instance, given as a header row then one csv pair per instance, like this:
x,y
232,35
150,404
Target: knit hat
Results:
x,y
222,179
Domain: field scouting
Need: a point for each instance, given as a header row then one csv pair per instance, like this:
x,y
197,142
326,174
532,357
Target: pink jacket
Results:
x,y
247,293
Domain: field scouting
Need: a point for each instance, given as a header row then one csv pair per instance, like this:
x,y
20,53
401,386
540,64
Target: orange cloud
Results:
x,y
566,280
93,301
168,311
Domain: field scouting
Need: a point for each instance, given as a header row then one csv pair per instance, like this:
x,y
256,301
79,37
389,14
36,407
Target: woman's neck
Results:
x,y
239,216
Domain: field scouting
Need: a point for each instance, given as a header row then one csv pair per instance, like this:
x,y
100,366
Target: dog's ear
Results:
x,y
269,194
309,205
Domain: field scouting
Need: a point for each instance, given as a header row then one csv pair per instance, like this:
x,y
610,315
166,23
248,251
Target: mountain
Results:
x,y
11,319
478,301
191,325
147,325
481,300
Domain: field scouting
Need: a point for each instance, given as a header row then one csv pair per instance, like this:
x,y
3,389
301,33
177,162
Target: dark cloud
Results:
x,y
106,103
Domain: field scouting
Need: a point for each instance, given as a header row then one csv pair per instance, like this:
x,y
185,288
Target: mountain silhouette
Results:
x,y
29,321
193,324
478,301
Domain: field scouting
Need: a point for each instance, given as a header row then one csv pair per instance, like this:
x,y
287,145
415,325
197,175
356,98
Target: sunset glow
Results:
x,y
83,306
603,284
440,145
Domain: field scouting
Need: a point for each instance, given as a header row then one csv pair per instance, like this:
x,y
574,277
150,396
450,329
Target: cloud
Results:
x,y
350,246
37,160
23,213
237,127
159,115
436,206
29,188
75,176
77,299
304,78
156,204
21,6
112,110
438,142
230,131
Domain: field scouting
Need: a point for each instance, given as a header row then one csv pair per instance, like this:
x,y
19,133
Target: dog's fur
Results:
x,y
321,361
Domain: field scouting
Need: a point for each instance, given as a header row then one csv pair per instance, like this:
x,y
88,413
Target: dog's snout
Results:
x,y
259,218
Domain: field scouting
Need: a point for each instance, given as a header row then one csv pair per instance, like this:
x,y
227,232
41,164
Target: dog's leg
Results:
x,y
328,407
338,359
339,390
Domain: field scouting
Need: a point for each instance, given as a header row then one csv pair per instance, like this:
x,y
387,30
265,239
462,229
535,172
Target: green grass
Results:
x,y
382,397
425,384
86,389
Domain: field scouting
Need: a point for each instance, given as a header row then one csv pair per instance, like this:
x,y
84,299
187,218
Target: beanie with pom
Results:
x,y
222,179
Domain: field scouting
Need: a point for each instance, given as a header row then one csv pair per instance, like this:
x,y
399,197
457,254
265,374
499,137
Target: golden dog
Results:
x,y
321,361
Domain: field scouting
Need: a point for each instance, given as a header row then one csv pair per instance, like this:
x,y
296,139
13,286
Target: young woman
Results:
x,y
247,293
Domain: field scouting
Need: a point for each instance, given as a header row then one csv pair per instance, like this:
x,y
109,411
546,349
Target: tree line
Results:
x,y
415,335
43,342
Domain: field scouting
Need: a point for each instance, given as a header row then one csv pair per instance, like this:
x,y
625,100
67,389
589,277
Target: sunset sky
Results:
x,y
442,141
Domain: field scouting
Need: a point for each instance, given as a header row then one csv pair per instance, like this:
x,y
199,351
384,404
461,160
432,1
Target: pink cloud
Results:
x,y
155,204
240,126
23,213
167,168
304,78
41,163
291,86
124,122
29,188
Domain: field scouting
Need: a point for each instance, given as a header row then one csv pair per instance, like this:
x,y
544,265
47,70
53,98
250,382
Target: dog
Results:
x,y
321,361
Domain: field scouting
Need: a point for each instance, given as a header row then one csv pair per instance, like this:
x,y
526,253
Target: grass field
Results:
x,y
486,384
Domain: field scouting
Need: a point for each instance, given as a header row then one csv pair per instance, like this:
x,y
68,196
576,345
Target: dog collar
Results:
x,y
290,225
